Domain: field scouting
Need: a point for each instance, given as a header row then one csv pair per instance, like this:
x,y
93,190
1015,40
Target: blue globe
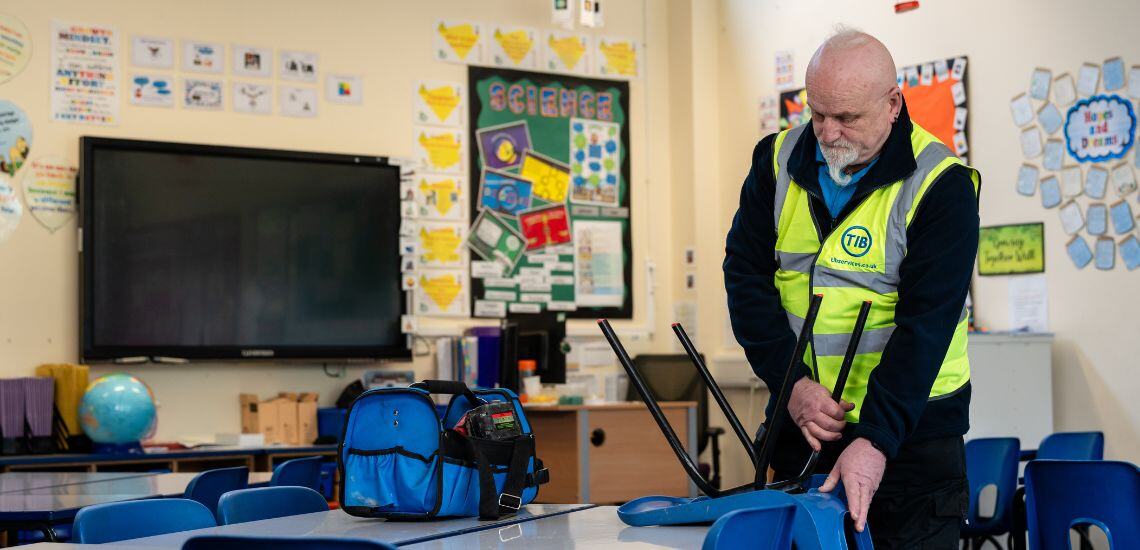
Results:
x,y
117,408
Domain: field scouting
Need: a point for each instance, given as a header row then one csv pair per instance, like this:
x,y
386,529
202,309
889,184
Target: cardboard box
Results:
x,y
289,418
306,419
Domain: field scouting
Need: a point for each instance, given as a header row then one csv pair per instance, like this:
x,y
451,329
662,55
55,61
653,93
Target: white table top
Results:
x,y
16,482
593,528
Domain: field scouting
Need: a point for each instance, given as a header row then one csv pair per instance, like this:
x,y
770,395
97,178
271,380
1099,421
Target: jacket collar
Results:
x,y
895,161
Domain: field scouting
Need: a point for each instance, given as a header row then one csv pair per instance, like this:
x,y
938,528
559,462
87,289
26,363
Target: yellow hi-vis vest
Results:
x,y
858,261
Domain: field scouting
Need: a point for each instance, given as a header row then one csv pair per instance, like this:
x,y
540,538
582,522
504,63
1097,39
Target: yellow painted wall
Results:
x,y
388,42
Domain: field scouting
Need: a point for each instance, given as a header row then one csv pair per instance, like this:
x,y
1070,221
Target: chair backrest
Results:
x,y
1062,493
672,377
207,487
1072,446
230,542
268,502
992,461
133,519
300,472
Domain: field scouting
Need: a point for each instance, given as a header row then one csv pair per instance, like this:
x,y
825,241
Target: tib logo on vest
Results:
x,y
856,241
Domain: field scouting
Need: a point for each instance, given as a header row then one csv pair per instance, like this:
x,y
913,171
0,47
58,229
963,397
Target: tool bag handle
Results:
x,y
452,387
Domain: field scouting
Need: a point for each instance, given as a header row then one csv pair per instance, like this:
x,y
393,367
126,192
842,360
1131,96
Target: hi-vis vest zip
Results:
x,y
859,260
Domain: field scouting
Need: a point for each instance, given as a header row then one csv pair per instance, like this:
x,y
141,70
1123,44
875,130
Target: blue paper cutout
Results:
x,y
1096,219
1079,252
1130,252
1096,182
1122,218
1050,192
1105,253
1027,180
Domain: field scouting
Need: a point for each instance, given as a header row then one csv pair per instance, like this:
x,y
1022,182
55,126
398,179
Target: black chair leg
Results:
x,y
715,440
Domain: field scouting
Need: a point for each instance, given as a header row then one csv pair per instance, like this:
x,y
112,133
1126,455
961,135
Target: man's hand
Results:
x,y
860,466
819,418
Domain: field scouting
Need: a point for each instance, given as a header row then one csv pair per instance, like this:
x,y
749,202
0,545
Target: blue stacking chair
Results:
x,y
209,486
300,472
133,519
1056,446
755,528
220,542
991,461
1063,494
268,502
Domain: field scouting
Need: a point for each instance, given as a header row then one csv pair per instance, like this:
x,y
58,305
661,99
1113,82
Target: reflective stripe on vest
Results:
x,y
859,260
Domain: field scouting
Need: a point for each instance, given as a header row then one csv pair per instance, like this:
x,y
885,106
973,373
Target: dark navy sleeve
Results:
x,y
758,320
934,278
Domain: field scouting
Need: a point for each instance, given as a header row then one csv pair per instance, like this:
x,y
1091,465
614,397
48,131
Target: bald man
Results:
x,y
862,204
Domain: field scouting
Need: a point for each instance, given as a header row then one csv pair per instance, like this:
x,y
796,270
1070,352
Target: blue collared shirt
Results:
x,y
836,196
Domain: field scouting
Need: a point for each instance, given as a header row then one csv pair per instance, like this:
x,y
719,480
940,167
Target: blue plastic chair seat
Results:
x,y
268,502
133,519
1062,493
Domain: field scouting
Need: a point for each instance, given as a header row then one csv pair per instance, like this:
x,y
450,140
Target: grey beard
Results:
x,y
838,159
838,175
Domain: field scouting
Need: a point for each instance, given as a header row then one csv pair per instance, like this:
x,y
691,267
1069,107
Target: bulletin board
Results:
x,y
936,99
550,172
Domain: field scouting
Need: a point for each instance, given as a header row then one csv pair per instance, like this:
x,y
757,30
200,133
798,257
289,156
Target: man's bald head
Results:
x,y
854,98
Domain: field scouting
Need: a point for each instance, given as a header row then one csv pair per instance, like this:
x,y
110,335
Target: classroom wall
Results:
x,y
389,43
1090,311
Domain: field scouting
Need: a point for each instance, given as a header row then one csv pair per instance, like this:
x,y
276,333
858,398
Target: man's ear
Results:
x,y
895,100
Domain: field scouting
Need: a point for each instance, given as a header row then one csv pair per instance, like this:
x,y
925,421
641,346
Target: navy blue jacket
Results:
x,y
934,278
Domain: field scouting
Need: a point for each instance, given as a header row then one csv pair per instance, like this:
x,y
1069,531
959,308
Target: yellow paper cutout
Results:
x,y
440,245
461,38
569,50
442,149
441,289
516,44
442,191
620,57
550,182
442,101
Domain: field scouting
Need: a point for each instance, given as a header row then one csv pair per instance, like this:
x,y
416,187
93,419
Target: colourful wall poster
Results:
x,y
441,245
10,208
15,47
49,191
438,103
496,241
251,61
1011,249
203,57
442,293
1100,128
502,147
617,57
152,51
85,74
545,226
252,98
566,52
440,197
15,137
439,150
794,109
152,90
347,89
595,159
299,66
206,95
551,178
296,101
513,47
458,41
504,193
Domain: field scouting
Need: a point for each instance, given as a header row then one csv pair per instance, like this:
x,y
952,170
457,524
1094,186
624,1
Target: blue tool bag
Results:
x,y
399,459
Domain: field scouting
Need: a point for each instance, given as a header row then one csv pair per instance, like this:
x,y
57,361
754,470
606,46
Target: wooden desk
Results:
x,y
611,453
